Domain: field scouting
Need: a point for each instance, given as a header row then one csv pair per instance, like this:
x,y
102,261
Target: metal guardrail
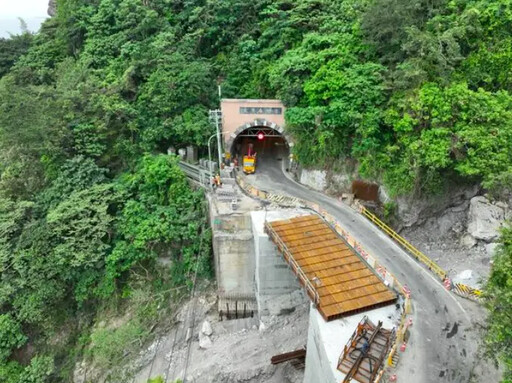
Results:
x,y
196,173
405,244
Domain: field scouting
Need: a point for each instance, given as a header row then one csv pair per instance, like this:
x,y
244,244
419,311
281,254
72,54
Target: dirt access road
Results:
x,y
444,340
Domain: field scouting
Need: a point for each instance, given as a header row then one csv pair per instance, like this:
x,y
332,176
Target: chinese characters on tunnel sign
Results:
x,y
260,110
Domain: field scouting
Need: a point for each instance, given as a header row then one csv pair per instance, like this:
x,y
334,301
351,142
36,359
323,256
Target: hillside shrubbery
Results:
x,y
416,92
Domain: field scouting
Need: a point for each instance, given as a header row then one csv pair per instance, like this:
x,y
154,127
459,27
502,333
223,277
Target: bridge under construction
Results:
x,y
336,278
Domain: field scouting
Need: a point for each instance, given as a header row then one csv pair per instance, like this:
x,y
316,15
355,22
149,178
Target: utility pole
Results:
x,y
210,154
215,116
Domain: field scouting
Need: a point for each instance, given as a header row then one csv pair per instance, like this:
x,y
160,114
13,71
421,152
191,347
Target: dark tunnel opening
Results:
x,y
270,146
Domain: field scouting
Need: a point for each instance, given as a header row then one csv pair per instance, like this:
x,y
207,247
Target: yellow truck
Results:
x,y
249,164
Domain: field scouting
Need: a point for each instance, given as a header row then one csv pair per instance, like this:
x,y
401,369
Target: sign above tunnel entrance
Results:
x,y
256,110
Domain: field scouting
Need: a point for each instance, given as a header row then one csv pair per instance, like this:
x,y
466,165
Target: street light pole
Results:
x,y
210,154
217,125
216,115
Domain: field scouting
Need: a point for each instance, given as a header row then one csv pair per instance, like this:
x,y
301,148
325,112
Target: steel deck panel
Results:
x,y
343,282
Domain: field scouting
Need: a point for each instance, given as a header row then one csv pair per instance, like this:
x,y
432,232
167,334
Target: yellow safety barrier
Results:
x,y
391,354
402,241
407,305
466,291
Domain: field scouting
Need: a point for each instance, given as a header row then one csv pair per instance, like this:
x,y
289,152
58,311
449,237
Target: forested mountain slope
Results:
x,y
414,92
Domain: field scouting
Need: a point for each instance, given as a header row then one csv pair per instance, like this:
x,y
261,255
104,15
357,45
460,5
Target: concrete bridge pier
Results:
x,y
248,268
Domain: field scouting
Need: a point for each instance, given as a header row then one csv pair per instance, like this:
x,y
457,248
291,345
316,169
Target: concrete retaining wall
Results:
x,y
234,262
317,362
277,289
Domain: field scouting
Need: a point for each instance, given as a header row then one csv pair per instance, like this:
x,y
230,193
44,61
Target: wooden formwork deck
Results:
x,y
336,278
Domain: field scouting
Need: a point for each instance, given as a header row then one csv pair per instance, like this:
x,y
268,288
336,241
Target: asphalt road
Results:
x,y
444,342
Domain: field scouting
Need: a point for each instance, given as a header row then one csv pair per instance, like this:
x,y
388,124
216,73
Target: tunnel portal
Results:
x,y
266,142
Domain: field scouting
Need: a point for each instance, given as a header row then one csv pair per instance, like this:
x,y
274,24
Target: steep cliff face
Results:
x,y
52,7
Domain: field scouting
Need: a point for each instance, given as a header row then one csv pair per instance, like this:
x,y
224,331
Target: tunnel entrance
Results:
x,y
268,144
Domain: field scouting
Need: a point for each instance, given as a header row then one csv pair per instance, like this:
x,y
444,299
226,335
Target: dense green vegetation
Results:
x,y
11,49
415,92
499,303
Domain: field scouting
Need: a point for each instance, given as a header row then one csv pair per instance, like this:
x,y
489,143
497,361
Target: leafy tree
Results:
x,y
11,49
414,93
442,130
30,132
161,218
11,336
386,23
74,175
40,370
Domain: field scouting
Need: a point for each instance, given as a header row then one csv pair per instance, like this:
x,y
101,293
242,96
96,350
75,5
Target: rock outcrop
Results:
x,y
52,7
490,248
485,219
315,179
451,205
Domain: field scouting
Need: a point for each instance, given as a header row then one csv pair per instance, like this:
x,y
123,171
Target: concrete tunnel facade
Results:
x,y
240,115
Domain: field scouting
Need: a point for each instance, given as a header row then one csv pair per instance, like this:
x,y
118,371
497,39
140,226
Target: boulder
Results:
x,y
206,328
413,211
204,341
468,241
338,183
469,278
448,222
80,372
484,219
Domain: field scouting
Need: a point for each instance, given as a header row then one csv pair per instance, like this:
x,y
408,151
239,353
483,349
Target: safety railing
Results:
x,y
404,243
196,173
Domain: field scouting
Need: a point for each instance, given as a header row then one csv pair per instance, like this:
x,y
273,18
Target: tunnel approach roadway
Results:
x,y
444,340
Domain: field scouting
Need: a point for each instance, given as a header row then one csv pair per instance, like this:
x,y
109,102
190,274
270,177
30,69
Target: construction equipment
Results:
x,y
249,161
364,354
